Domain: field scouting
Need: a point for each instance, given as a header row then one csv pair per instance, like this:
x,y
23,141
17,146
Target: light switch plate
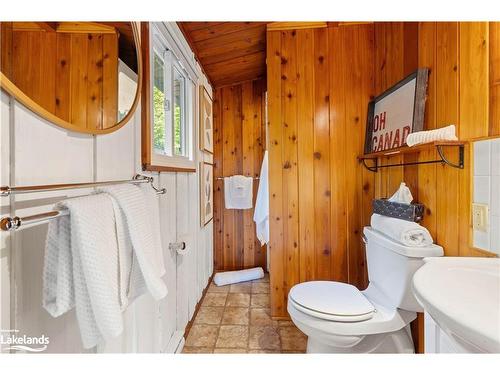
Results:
x,y
480,216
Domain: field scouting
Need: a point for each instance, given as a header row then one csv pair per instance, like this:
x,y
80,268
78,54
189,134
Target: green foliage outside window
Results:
x,y
159,119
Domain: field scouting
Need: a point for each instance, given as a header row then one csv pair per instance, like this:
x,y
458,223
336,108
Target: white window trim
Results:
x,y
160,43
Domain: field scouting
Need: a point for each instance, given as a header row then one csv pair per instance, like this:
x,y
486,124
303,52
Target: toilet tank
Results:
x,y
391,266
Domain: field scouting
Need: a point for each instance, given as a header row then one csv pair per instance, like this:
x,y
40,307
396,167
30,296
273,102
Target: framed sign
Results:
x,y
206,121
396,113
206,193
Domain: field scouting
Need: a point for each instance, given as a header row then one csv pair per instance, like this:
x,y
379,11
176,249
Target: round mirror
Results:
x,y
82,76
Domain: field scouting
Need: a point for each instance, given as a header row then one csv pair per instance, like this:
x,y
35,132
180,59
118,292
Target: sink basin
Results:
x,y
463,296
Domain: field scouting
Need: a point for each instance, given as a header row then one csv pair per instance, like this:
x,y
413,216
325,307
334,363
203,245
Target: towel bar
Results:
x,y
407,150
5,191
12,223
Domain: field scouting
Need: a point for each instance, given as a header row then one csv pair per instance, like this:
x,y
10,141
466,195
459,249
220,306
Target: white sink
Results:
x,y
463,296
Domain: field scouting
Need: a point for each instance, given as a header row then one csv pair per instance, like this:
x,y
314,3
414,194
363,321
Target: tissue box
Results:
x,y
409,212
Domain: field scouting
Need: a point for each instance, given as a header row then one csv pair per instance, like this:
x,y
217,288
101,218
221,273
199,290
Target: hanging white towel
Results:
x,y
238,192
132,284
261,213
81,267
139,207
442,134
406,232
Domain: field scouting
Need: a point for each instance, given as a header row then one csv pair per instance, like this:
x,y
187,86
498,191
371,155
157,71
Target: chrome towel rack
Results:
x,y
13,223
5,191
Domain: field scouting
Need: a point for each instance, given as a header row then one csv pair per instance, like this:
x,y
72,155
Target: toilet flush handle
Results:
x,y
363,237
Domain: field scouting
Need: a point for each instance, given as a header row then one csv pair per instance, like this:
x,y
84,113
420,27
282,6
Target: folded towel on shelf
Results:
x,y
139,209
261,214
406,232
81,267
238,192
442,134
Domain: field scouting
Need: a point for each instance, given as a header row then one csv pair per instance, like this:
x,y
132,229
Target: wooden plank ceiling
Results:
x,y
229,52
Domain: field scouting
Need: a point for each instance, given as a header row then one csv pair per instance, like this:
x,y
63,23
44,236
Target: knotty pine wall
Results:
x,y
464,87
319,86
72,75
239,144
463,90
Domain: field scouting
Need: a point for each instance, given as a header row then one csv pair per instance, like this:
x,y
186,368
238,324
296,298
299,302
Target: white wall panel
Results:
x,y
192,256
116,153
45,154
42,154
4,210
168,306
183,271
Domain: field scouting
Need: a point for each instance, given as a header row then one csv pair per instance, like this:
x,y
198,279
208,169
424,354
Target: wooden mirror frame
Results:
x,y
9,87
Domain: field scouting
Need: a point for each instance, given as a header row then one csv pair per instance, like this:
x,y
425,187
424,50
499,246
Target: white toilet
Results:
x,y
338,318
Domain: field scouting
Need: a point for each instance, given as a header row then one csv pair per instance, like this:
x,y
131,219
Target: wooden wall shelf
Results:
x,y
439,145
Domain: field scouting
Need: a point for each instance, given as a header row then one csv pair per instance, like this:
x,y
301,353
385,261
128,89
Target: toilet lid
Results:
x,y
332,298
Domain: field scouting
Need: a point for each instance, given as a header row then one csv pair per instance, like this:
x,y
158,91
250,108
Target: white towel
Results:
x,y
233,277
139,207
132,284
238,192
261,213
406,232
81,267
442,134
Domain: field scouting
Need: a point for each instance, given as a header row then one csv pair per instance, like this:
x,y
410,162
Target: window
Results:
x,y
172,109
179,116
159,103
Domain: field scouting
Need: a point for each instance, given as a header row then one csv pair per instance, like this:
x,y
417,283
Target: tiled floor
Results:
x,y
236,319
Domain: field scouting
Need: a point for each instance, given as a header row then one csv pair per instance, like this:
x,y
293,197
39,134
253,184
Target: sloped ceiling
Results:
x,y
229,52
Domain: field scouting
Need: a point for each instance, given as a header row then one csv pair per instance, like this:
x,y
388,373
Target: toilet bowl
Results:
x,y
339,318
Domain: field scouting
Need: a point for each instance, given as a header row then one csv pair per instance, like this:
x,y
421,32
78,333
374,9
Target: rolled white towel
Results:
x,y
233,277
442,134
406,232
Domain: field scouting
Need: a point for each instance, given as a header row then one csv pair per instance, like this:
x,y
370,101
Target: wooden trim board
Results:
x,y
274,26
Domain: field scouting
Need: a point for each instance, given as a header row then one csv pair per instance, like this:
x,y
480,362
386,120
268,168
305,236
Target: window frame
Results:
x,y
151,159
184,103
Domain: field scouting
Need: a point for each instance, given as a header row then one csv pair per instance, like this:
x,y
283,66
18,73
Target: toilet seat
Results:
x,y
331,300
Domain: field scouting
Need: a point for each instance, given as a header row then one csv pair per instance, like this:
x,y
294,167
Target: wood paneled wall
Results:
x,y
318,91
240,141
72,75
494,78
459,56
